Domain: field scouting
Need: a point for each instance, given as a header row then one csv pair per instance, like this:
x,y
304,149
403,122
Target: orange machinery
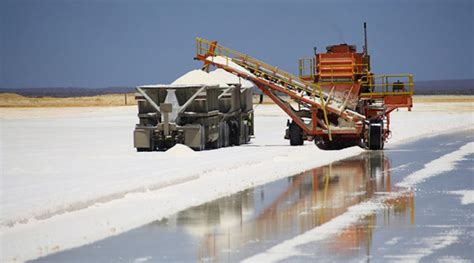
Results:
x,y
336,100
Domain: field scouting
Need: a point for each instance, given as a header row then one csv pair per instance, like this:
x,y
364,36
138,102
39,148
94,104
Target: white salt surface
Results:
x,y
229,78
79,179
438,166
198,76
453,259
427,246
467,196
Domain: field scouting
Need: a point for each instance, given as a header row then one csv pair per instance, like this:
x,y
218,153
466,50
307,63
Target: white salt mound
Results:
x,y
229,78
181,150
196,77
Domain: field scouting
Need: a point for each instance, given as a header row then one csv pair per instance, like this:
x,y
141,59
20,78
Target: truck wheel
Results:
x,y
221,138
226,135
234,133
213,145
296,134
375,141
161,145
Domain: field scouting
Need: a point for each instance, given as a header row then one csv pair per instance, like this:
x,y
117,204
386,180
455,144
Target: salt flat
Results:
x,y
71,176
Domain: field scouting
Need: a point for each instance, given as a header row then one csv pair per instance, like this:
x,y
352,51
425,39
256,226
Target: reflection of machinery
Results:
x,y
340,102
306,201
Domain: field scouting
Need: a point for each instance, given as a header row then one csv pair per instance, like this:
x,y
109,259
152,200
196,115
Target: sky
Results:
x,y
103,43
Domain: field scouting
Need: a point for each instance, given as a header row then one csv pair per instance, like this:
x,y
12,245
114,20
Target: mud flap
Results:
x,y
142,139
194,137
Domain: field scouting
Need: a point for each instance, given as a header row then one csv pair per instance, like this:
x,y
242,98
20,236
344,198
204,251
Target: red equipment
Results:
x,y
336,100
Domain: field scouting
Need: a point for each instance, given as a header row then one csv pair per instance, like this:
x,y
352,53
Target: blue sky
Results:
x,y
126,43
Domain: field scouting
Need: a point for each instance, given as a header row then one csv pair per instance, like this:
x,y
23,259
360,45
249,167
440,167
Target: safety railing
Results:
x,y
389,85
377,85
306,68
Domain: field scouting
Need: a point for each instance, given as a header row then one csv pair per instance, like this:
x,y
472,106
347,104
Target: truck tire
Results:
x,y
234,133
213,145
227,135
375,140
296,134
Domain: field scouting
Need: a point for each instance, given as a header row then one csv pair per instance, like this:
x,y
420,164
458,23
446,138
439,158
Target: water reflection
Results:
x,y
240,225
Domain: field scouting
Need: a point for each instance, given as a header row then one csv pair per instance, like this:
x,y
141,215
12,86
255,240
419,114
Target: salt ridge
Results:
x,y
438,166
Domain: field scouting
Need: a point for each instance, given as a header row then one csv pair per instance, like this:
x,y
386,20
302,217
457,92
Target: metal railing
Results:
x,y
389,85
306,68
378,85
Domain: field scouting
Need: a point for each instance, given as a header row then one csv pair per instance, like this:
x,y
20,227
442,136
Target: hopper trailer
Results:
x,y
335,101
199,116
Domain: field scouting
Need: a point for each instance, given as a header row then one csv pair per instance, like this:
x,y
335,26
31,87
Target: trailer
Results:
x,y
335,101
199,116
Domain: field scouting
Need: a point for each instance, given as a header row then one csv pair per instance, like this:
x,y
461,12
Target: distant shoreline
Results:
x,y
433,87
13,100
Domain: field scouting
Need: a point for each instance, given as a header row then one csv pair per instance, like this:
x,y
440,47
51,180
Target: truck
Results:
x,y
199,116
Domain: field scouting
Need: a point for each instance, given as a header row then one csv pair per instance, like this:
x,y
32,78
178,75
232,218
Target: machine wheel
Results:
x,y
246,133
296,134
227,135
223,134
234,133
161,145
213,145
375,140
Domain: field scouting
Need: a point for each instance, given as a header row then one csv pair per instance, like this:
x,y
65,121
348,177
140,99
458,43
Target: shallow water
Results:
x,y
246,223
